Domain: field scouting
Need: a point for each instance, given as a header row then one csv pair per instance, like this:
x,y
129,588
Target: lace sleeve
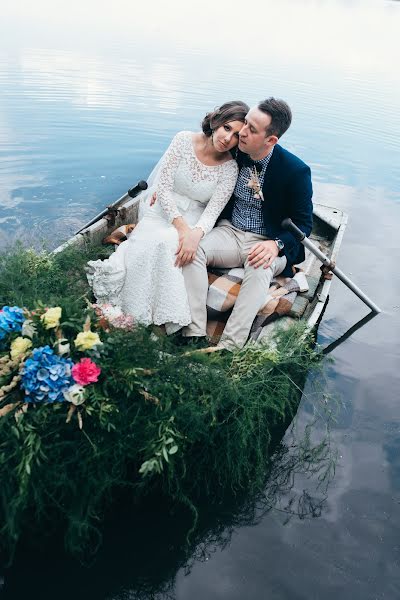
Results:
x,y
171,160
219,199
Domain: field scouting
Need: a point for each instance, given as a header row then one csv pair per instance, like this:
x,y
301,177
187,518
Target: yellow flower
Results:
x,y
51,318
19,346
86,340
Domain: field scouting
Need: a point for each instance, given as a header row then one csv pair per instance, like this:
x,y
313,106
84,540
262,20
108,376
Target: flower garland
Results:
x,y
39,364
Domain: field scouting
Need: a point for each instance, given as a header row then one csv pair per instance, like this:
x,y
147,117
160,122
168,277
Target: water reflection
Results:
x,y
93,82
345,336
145,547
85,116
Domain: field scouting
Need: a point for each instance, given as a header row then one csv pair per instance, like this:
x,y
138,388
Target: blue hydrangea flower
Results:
x,y
46,376
11,319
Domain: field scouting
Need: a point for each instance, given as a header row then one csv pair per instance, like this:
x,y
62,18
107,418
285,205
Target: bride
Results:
x,y
194,181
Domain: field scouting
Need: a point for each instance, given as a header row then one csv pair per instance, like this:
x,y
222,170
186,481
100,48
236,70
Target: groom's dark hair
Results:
x,y
280,113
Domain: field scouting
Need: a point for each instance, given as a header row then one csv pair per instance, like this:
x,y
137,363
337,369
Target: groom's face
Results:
x,y
253,139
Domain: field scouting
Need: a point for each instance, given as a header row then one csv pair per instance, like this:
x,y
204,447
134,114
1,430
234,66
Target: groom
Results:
x,y
273,184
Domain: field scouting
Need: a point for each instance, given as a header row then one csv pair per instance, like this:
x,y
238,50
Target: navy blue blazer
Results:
x,y
287,191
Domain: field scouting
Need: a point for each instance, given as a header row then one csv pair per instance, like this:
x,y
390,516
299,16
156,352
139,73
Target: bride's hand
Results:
x,y
189,240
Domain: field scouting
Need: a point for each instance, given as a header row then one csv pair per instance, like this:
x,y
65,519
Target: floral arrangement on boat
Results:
x,y
90,411
41,364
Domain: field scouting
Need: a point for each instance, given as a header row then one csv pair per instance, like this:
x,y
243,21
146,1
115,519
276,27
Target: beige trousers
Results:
x,y
226,246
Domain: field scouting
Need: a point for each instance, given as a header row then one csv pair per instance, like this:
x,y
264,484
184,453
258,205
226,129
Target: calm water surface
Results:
x,y
90,95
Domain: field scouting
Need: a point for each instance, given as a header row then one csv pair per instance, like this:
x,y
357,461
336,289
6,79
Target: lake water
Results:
x,y
90,95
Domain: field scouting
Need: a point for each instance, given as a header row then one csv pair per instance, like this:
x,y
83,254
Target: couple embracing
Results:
x,y
234,172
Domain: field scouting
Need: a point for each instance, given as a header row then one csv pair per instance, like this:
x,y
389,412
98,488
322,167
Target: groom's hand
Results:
x,y
263,254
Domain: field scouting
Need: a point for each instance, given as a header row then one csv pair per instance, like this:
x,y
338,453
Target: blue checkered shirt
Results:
x,y
247,211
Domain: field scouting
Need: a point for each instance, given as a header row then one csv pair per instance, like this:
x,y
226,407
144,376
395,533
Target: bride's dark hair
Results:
x,y
230,111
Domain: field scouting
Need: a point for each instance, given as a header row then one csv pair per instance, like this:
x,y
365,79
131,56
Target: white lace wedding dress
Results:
x,y
140,278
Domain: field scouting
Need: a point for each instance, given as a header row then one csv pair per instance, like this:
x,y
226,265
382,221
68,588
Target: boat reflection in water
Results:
x,y
146,546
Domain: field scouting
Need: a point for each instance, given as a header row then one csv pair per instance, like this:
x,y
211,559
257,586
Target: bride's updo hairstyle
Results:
x,y
230,111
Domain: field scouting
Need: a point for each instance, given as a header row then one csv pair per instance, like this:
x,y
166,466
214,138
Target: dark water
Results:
x,y
90,95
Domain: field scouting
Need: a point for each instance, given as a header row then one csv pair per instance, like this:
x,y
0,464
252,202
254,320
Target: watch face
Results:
x,y
280,244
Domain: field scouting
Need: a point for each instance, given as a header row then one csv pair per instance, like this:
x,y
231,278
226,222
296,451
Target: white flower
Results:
x,y
75,394
62,347
28,328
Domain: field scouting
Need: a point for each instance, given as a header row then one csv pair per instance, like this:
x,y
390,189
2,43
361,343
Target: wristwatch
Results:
x,y
280,245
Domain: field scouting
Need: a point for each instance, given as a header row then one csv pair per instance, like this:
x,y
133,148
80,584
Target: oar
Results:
x,y
300,235
139,187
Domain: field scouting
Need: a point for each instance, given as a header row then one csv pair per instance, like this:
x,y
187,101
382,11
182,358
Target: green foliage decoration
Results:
x,y
160,419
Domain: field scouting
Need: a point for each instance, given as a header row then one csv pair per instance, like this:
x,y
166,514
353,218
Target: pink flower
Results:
x,y
85,371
